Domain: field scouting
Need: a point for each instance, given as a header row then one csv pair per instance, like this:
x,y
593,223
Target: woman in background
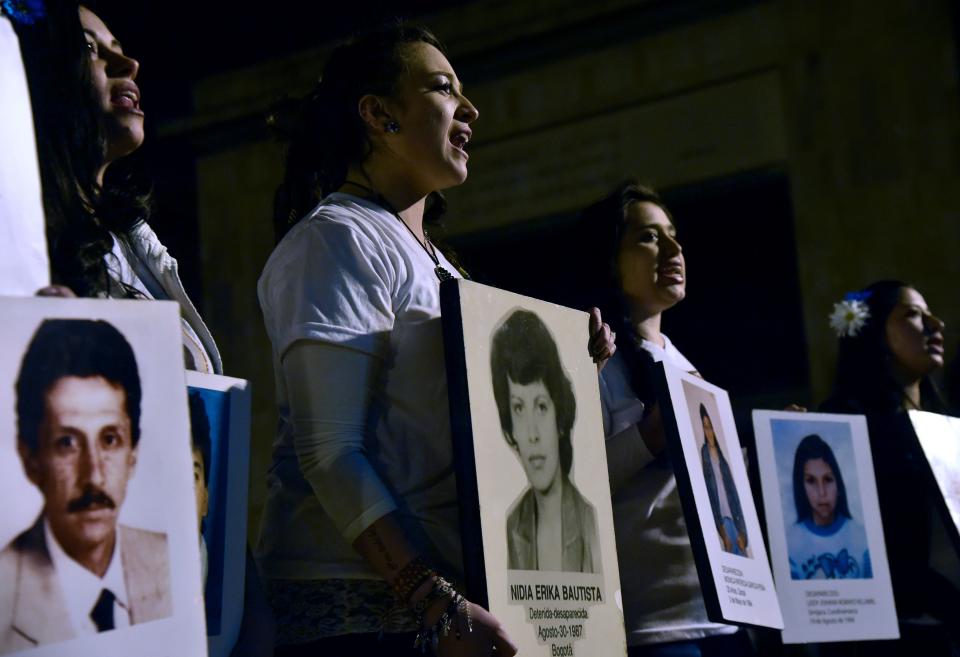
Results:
x,y
825,542
890,344
644,274
86,106
88,119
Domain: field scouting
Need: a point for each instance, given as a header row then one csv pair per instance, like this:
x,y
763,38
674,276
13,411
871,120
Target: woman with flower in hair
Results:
x,y
890,345
643,274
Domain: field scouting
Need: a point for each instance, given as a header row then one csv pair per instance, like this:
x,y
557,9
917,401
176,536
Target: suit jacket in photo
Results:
x,y
581,540
32,609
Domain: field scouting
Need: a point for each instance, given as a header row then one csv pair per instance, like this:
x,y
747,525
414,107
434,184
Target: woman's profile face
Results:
x,y
914,336
537,440
708,433
650,261
117,96
820,484
434,118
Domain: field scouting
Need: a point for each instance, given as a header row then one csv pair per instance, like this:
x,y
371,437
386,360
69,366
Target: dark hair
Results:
x,y
82,348
606,222
200,430
865,379
71,146
523,351
811,448
324,131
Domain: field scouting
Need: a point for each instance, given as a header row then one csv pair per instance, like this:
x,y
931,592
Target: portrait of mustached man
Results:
x,y
76,571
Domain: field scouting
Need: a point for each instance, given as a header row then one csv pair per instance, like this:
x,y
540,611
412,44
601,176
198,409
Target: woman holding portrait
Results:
x,y
360,543
642,275
890,345
89,120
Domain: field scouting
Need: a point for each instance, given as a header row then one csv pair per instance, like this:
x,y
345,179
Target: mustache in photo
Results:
x,y
92,496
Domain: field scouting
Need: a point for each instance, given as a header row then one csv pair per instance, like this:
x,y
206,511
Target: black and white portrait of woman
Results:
x,y
551,526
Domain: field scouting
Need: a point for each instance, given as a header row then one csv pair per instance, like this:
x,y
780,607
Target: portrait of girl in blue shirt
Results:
x,y
825,542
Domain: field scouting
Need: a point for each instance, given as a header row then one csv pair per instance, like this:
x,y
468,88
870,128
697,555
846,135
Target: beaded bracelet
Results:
x,y
410,578
441,588
457,608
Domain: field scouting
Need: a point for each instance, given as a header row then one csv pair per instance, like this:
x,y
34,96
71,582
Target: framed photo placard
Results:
x,y
824,527
939,437
98,553
717,502
220,435
536,517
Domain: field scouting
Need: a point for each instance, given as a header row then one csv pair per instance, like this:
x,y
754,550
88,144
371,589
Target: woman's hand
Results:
x,y
56,291
487,638
602,345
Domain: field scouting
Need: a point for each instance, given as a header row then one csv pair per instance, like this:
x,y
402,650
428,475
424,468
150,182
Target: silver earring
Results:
x,y
392,127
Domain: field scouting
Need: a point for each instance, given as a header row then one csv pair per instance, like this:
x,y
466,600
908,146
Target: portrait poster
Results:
x,y
939,438
98,538
824,527
220,435
24,265
717,502
536,516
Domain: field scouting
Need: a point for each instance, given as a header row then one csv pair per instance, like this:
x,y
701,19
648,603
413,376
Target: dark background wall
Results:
x,y
806,147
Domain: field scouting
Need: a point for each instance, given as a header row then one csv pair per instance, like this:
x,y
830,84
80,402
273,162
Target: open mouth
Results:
x,y
672,272
537,462
460,141
127,96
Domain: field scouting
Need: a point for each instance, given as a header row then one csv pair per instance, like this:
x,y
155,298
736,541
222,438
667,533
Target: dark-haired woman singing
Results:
x,y
890,344
88,118
360,532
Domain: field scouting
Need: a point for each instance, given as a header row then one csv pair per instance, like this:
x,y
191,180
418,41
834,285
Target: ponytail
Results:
x,y
323,130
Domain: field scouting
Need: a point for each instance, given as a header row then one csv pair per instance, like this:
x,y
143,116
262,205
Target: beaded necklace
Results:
x,y
426,245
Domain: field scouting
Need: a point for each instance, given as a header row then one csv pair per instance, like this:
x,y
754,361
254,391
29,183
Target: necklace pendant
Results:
x,y
442,274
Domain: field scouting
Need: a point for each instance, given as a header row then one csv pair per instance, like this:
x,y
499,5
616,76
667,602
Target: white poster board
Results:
x,y
522,386
24,267
939,437
717,501
97,487
226,404
824,527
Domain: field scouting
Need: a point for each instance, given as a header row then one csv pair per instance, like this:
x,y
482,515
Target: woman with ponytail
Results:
x,y
360,544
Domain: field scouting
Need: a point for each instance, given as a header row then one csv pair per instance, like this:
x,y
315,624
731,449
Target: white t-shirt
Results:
x,y
24,267
662,601
352,274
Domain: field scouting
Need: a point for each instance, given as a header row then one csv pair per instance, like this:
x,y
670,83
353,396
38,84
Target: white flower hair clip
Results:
x,y
850,315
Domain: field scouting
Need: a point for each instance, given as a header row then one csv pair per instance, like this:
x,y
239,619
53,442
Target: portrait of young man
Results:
x,y
77,571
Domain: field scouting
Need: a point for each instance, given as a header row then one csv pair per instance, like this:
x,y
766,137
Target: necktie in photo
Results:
x,y
102,614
